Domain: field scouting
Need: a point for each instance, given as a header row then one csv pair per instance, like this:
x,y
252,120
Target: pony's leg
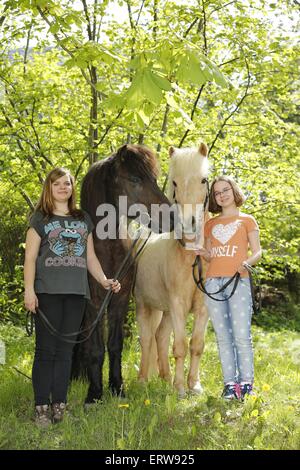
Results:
x,y
116,314
179,347
163,335
94,368
196,349
148,321
88,357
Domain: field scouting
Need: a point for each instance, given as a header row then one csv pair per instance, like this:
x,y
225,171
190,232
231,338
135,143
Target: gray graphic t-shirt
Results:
x,y
61,266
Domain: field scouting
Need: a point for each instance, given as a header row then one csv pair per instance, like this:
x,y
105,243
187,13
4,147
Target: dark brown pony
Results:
x,y
131,172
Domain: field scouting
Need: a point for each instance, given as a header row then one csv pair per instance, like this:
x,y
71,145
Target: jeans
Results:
x,y
231,320
53,357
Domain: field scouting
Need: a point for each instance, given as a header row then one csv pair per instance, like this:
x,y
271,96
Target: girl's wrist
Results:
x,y
246,264
102,278
29,289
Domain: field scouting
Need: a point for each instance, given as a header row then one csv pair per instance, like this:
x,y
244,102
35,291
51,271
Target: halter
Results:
x,y
205,204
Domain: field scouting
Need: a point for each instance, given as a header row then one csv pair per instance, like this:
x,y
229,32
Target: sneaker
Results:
x,y
246,389
42,416
231,392
58,410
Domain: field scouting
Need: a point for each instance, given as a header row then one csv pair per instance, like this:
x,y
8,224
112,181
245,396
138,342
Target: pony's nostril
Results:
x,y
193,222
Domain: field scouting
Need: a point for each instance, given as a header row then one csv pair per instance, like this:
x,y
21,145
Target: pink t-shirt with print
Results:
x,y
229,243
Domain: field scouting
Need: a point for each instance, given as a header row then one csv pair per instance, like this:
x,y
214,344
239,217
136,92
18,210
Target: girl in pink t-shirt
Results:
x,y
227,239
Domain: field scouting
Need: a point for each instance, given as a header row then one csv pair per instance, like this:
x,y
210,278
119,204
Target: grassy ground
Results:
x,y
151,417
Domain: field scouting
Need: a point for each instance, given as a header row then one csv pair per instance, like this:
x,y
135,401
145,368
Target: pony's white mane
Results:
x,y
186,163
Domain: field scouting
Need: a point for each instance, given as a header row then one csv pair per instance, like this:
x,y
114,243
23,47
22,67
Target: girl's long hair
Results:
x,y
46,202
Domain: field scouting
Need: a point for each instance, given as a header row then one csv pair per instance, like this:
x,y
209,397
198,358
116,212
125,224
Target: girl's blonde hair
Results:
x,y
46,203
238,195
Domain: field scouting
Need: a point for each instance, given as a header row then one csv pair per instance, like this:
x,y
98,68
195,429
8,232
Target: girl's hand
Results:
x,y
241,269
111,283
31,301
204,253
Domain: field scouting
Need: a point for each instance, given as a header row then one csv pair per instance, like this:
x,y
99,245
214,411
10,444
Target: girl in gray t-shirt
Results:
x,y
59,251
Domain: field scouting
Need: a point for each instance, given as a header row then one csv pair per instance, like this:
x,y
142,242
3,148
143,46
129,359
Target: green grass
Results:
x,y
151,417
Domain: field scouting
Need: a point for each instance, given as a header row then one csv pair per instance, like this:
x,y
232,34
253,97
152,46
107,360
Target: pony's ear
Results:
x,y
122,151
203,149
171,151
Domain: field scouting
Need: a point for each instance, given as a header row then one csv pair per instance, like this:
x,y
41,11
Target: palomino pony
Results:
x,y
130,172
165,290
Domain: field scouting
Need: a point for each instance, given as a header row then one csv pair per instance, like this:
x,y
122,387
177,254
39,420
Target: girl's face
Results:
x,y
62,189
223,194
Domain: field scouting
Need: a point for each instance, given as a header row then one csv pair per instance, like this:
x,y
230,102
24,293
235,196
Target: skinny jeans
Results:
x,y
231,321
53,357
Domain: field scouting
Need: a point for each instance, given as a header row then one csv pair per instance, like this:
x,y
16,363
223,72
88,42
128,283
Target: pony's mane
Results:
x,y
186,163
94,186
139,160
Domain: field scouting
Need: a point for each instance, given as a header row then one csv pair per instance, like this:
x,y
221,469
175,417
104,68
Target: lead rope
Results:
x,y
235,278
120,274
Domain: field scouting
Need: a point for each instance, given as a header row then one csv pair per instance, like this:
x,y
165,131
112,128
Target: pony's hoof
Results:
x,y
142,380
117,391
181,394
197,389
92,399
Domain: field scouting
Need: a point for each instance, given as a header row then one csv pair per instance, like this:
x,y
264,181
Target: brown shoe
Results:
x,y
58,410
42,416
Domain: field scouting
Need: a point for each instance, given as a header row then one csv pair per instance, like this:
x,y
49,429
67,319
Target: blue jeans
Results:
x,y
231,320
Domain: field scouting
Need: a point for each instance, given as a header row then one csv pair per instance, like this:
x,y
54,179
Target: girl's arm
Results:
x,y
205,252
96,270
33,242
256,251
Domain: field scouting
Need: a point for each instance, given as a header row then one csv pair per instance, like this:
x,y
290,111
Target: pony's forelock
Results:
x,y
188,162
141,159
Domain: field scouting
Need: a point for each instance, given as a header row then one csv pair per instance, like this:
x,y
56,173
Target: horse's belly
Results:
x,y
155,301
150,291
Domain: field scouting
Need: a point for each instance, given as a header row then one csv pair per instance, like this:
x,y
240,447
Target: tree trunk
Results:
x,y
93,130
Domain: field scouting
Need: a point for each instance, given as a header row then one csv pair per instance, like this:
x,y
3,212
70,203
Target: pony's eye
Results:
x,y
204,181
175,184
135,179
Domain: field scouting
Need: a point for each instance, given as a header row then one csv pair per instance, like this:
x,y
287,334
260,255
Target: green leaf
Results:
x,y
54,28
144,117
160,81
150,90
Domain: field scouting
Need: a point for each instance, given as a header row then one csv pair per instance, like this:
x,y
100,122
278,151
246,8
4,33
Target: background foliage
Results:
x,y
76,82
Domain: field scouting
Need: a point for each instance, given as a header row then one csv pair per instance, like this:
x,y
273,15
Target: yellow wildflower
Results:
x,y
266,388
147,402
217,417
254,413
